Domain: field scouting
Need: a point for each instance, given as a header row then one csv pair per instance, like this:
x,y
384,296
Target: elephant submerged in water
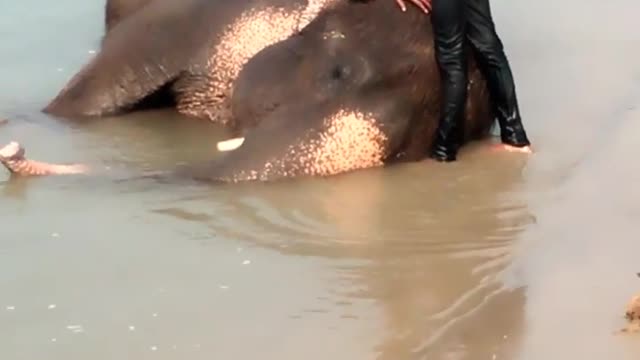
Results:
x,y
117,10
184,54
358,87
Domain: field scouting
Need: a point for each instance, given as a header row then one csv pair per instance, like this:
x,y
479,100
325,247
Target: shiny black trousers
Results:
x,y
457,23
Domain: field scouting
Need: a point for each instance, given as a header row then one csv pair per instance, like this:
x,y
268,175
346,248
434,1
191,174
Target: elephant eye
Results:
x,y
340,72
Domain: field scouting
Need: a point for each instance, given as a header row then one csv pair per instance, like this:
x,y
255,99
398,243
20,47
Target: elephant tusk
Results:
x,y
231,144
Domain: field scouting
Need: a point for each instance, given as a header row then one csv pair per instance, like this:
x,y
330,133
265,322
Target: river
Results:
x,y
497,256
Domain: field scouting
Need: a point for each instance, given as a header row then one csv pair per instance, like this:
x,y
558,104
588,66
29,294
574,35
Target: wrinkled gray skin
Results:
x,y
117,10
159,53
364,58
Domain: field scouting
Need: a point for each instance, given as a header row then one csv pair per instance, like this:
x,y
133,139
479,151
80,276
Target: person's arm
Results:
x,y
424,5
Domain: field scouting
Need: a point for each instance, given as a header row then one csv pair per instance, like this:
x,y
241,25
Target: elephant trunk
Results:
x,y
12,156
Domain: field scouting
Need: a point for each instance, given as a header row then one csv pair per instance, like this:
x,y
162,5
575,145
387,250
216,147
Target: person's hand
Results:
x,y
424,5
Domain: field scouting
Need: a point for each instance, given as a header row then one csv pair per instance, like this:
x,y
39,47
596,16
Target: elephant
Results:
x,y
183,54
356,88
117,10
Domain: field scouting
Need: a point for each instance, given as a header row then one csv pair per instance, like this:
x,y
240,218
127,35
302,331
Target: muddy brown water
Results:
x,y
498,256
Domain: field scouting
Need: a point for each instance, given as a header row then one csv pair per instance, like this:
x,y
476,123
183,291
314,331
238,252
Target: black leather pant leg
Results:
x,y
448,20
494,65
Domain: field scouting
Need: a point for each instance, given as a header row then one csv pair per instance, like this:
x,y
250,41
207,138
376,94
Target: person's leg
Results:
x,y
494,65
448,20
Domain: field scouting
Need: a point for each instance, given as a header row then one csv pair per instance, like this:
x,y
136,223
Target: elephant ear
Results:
x,y
146,51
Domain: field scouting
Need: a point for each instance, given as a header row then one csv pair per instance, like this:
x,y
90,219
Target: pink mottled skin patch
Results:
x,y
206,95
351,141
348,141
12,156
